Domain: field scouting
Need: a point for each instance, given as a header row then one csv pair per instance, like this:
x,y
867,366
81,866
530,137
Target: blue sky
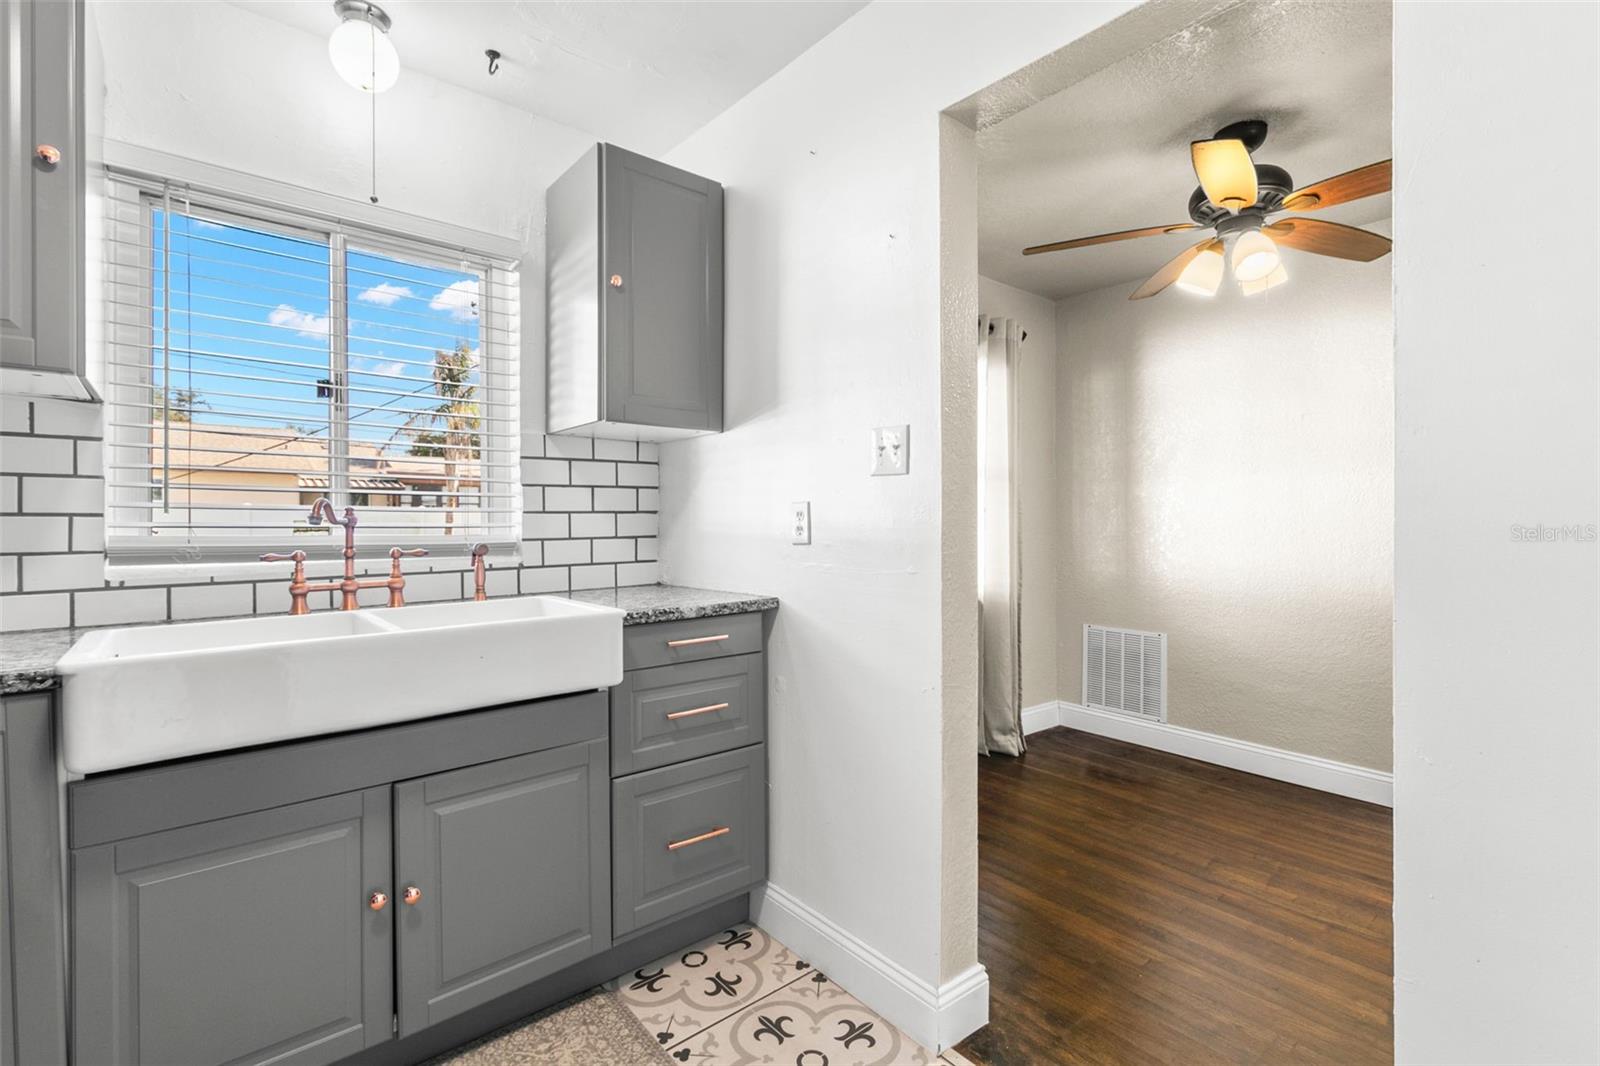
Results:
x,y
252,302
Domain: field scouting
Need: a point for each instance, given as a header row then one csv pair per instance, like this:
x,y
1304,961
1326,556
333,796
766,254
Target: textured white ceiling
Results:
x,y
644,75
1111,152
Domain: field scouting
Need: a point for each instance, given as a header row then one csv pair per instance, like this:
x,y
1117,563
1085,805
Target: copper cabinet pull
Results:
x,y
411,895
378,900
48,154
692,711
616,281
721,830
691,641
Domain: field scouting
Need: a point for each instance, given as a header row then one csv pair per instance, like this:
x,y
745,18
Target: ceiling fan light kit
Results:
x,y
1236,199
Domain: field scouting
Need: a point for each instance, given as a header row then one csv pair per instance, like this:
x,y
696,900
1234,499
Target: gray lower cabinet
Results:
x,y
686,835
32,949
667,714
503,873
246,939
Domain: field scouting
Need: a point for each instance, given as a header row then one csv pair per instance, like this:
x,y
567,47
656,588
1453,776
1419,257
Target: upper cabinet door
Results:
x,y
41,203
502,877
661,268
248,939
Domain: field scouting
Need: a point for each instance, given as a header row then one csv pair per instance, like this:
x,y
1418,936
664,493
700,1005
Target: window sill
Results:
x,y
46,384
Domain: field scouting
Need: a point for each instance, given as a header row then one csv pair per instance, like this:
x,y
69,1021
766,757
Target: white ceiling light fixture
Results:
x,y
1254,256
1271,281
1203,274
360,48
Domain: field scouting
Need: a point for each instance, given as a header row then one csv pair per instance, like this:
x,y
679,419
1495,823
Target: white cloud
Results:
x,y
384,294
302,322
397,368
460,299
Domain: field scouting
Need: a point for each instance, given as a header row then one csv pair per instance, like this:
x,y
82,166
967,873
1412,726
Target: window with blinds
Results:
x,y
257,361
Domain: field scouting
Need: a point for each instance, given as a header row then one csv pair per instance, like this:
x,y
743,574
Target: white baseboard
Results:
x,y
1326,775
937,1018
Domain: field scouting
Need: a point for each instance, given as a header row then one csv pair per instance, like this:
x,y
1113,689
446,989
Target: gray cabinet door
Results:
x,y
686,835
661,273
41,204
247,939
510,864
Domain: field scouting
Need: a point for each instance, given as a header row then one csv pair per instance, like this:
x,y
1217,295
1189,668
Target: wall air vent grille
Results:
x,y
1125,670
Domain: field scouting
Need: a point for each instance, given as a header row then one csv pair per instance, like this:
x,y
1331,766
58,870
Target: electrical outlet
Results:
x,y
800,522
891,450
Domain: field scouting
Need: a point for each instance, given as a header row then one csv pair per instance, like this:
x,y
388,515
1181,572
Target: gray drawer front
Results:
x,y
652,882
663,643
644,732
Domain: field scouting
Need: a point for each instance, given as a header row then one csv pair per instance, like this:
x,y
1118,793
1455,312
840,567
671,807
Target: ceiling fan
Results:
x,y
1235,199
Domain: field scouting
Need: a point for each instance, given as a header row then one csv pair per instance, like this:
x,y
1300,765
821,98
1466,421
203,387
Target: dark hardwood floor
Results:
x,y
1137,907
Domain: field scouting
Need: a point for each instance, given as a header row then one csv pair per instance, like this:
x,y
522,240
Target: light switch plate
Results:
x,y
800,522
891,450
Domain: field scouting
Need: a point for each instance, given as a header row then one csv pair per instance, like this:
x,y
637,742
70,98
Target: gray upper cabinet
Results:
x,y
41,203
246,939
635,289
502,872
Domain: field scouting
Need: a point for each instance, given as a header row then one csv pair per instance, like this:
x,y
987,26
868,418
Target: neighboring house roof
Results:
x,y
193,447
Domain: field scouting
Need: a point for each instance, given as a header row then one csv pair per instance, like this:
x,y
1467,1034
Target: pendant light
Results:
x,y
360,48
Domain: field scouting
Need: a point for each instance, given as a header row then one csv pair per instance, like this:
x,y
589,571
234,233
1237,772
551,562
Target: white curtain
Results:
x,y
999,544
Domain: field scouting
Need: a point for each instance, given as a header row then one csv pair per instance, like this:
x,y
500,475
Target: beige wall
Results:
x,y
1226,476
1036,472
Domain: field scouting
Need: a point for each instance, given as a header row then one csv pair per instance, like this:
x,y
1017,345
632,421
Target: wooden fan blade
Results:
x,y
1369,180
1226,172
1169,273
1107,238
1329,238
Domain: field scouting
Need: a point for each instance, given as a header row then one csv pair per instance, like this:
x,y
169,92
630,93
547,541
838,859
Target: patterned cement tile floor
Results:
x,y
737,998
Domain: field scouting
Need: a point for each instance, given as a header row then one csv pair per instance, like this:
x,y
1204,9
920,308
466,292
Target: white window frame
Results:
x,y
134,195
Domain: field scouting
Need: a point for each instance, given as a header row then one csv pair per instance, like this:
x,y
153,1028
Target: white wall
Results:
x,y
1037,423
1497,782
833,265
1226,471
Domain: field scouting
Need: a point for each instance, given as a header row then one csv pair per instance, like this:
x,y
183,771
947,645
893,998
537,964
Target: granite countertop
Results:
x,y
28,657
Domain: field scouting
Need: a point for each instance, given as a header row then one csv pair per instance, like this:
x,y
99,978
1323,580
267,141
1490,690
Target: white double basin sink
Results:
x,y
142,695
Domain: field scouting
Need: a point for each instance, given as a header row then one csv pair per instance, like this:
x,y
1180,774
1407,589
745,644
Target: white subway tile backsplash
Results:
x,y
546,472
594,577
16,415
646,549
570,499
569,447
533,446
594,525
544,579
649,452
638,573
212,601
625,450
36,455
9,565
616,499
532,553
117,607
30,533
9,503
88,534
544,527
496,582
48,573
642,524
587,473
612,551
638,474
564,552
63,495
66,418
89,461
649,499
49,611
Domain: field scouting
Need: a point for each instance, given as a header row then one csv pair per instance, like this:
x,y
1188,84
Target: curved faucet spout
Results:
x,y
322,507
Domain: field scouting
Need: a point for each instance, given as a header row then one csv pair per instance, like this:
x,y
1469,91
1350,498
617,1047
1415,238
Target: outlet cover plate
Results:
x,y
891,450
800,522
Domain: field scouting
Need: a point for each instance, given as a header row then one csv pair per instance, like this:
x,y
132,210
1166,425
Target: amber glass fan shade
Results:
x,y
1225,172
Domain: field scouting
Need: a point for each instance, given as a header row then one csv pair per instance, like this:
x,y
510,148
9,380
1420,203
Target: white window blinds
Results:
x,y
257,360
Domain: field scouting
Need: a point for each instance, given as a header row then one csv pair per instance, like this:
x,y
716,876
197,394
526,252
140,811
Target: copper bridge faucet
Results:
x,y
478,552
348,586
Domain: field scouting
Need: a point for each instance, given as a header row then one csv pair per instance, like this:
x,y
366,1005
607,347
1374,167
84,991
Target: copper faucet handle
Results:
x,y
284,557
396,553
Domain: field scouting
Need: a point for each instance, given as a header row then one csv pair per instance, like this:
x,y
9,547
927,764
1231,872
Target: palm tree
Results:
x,y
448,429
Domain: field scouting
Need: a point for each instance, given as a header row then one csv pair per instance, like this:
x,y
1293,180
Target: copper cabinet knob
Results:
x,y
616,281
48,154
411,895
377,901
